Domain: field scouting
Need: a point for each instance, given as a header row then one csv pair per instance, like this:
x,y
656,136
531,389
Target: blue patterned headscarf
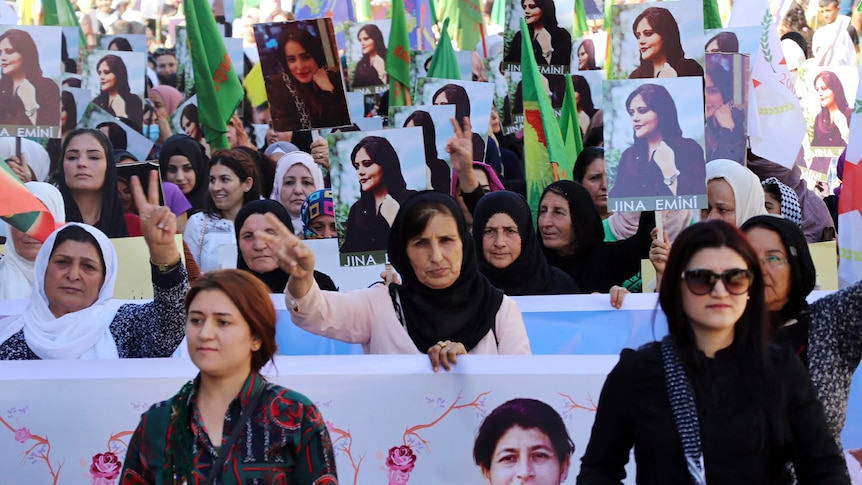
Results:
x,y
319,203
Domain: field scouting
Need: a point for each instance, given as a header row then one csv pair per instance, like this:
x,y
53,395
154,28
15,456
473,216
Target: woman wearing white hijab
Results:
x,y
733,192
296,177
72,314
16,268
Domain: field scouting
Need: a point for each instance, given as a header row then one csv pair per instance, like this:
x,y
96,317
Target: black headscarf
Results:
x,y
112,220
803,278
596,265
465,311
530,273
187,146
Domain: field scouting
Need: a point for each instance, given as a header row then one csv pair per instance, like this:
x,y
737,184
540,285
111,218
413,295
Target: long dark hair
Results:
x,y
658,99
664,24
121,43
376,35
590,48
727,42
457,96
721,79
118,68
429,133
582,87
67,100
381,152
549,14
23,44
750,331
834,84
308,42
243,166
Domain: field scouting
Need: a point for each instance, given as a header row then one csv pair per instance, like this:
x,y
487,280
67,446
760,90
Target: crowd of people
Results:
x,y
750,376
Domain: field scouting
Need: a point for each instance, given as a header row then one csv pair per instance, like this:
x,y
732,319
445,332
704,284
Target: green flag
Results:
x,y
61,13
580,28
711,16
544,152
362,9
569,126
498,14
218,87
444,64
469,22
398,57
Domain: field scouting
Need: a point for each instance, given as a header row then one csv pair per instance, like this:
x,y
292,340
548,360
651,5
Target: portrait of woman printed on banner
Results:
x,y
587,56
382,191
457,95
725,124
588,115
661,52
439,172
552,44
308,93
26,96
660,161
832,124
371,68
115,94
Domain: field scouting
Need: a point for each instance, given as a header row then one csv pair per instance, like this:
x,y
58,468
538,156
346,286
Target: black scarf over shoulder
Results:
x,y
465,311
530,273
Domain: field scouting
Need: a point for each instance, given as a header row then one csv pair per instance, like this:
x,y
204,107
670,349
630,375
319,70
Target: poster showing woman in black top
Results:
x,y
550,26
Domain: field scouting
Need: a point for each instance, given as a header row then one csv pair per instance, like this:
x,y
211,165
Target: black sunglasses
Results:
x,y
162,51
702,281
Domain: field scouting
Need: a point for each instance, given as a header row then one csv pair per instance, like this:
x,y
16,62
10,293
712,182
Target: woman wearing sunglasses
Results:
x,y
711,402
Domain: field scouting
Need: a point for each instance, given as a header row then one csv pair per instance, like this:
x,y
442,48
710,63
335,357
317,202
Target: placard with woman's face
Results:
x,y
135,143
365,49
555,85
471,99
654,139
30,81
827,95
726,84
589,52
658,39
550,24
373,173
302,74
73,107
124,42
745,40
117,81
437,129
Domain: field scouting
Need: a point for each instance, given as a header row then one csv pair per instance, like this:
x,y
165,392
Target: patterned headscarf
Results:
x,y
318,203
790,207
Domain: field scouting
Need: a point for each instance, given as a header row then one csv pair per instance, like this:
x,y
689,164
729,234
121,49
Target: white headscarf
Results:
x,y
84,334
747,192
284,164
16,273
37,156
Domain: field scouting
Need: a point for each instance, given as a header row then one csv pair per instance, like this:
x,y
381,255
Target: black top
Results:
x,y
634,410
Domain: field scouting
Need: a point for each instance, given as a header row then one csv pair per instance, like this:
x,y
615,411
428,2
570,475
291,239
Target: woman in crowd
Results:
x,y
826,333
589,116
443,308
318,216
552,44
457,95
382,191
310,93
17,266
590,172
508,249
711,402
27,97
72,313
439,173
660,162
732,192
183,162
88,181
781,200
468,192
296,177
523,438
254,256
164,100
722,42
233,182
662,55
725,123
229,423
371,68
832,124
116,95
572,238
587,56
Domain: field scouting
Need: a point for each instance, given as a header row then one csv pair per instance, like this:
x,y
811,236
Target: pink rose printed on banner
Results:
x,y
22,434
400,463
105,469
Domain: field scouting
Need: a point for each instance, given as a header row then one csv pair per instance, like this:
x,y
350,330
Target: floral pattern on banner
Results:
x,y
400,463
40,450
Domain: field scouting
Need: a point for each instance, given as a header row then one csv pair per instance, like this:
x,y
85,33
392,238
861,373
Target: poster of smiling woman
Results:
x,y
30,81
373,173
657,40
302,74
654,138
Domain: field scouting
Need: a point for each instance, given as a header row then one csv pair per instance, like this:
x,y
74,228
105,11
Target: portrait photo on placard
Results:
x,y
744,40
73,104
302,74
116,80
550,26
69,55
726,84
827,95
437,129
471,99
654,138
590,52
123,137
365,48
30,81
185,120
589,99
654,40
373,173
123,42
